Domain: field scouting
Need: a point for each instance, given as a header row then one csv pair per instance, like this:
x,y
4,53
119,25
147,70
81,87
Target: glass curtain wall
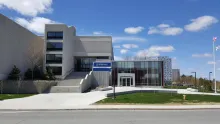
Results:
x,y
147,73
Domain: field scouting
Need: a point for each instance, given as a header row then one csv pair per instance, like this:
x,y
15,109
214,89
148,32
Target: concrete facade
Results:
x,y
75,46
18,46
176,74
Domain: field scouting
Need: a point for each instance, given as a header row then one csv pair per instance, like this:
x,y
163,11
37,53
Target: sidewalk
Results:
x,y
85,101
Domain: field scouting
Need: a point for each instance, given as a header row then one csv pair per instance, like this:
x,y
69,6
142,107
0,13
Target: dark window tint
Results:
x,y
54,58
55,70
54,46
54,35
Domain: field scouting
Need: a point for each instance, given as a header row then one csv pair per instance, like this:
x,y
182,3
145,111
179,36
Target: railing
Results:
x,y
86,83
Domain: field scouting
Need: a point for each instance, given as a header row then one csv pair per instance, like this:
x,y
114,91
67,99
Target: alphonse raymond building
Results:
x,y
70,55
151,71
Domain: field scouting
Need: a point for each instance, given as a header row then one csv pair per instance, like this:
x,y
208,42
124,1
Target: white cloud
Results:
x,y
117,46
133,30
202,55
123,51
118,58
163,26
28,7
36,24
128,38
218,69
129,46
200,23
211,62
98,33
155,51
165,29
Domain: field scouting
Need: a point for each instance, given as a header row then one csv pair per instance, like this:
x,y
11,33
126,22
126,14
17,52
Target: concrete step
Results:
x,y
65,89
70,82
76,75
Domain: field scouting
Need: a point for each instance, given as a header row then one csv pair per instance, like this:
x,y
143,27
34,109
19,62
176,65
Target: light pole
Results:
x,y
214,70
195,78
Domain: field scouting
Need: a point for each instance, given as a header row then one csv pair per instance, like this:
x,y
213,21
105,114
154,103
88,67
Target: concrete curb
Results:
x,y
86,109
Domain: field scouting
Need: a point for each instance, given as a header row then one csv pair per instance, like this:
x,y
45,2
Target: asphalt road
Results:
x,y
112,117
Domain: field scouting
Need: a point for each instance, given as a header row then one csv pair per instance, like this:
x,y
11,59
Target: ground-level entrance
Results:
x,y
126,79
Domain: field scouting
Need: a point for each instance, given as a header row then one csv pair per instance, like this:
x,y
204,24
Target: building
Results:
x,y
175,75
66,52
18,46
152,71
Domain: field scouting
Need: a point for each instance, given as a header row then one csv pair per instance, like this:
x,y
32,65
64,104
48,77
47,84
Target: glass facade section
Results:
x,y
55,35
53,46
84,64
147,73
54,59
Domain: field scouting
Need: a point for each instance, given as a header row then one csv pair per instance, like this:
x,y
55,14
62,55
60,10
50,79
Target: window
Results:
x,y
103,57
55,35
54,59
54,46
56,70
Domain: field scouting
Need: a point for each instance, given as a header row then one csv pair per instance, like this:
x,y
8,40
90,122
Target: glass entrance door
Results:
x,y
126,81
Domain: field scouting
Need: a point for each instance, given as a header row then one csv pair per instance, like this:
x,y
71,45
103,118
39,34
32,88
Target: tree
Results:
x,y
183,78
35,74
34,57
14,74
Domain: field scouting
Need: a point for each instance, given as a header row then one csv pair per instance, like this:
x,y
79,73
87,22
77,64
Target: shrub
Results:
x,y
49,74
37,74
14,74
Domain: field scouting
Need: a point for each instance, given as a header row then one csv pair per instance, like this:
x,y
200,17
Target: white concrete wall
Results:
x,y
68,50
17,44
86,83
68,47
48,28
93,46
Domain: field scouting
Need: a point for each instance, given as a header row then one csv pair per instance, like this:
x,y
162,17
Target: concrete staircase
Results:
x,y
71,84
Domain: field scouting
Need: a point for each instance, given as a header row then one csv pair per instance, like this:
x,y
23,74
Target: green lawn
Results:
x,y
13,96
159,98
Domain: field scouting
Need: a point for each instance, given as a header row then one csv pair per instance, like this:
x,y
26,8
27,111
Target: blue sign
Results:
x,y
102,64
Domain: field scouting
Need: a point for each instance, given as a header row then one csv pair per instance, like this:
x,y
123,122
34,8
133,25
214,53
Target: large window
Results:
x,y
54,59
54,35
55,70
147,73
53,46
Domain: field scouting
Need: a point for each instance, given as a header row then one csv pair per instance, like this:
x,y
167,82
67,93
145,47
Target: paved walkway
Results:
x,y
84,101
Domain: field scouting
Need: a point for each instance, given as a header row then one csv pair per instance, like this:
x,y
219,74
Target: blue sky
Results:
x,y
180,29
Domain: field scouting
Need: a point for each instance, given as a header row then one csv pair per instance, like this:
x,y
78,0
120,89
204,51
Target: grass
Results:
x,y
159,98
176,87
13,96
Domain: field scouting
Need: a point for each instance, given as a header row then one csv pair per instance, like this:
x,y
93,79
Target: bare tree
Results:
x,y
34,57
19,82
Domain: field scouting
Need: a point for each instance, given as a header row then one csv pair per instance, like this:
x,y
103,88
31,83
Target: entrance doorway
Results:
x,y
126,80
